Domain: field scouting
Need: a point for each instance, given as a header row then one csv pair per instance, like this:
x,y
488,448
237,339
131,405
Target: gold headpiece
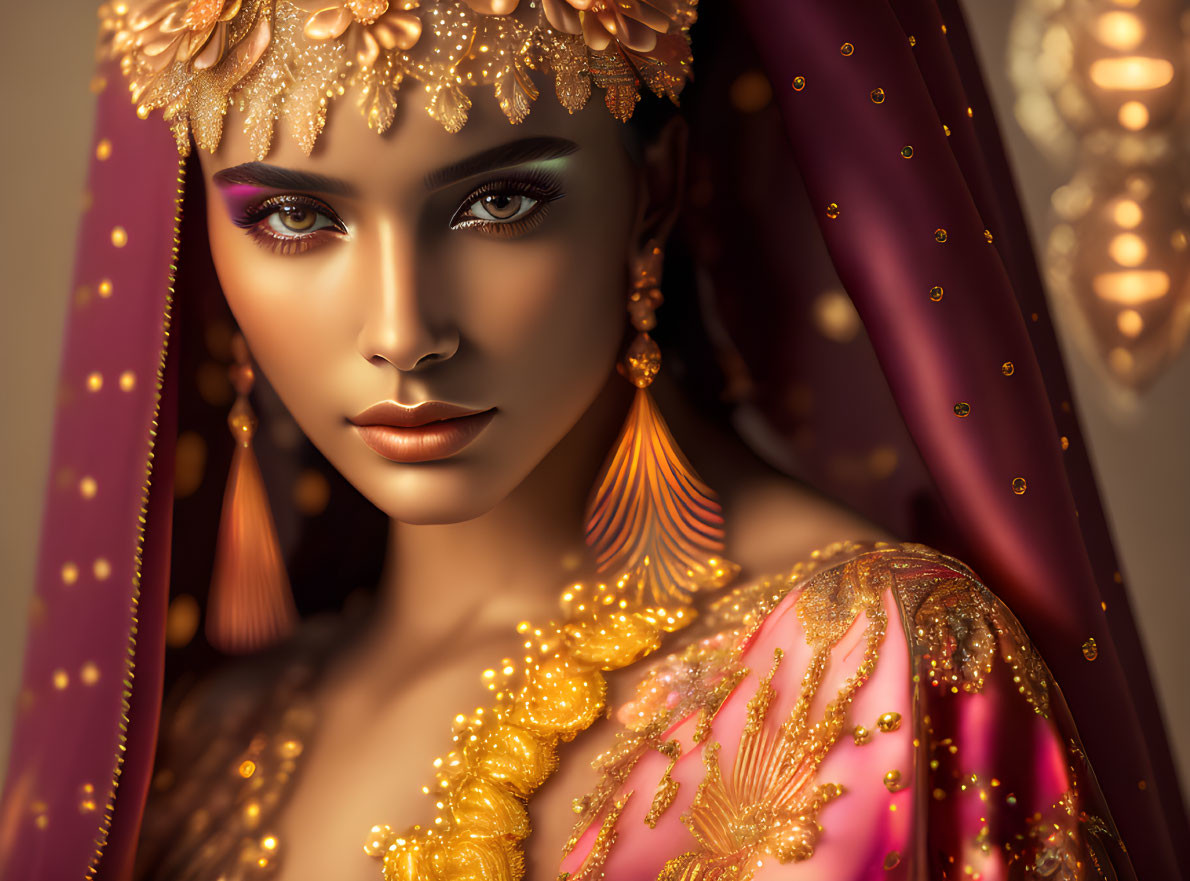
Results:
x,y
285,59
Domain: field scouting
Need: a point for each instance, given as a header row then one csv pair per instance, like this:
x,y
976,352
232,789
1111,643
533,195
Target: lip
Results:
x,y
428,431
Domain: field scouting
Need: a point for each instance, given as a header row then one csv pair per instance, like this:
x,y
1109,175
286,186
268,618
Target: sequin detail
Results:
x,y
770,801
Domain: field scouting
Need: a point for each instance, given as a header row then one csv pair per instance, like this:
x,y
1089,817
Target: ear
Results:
x,y
661,179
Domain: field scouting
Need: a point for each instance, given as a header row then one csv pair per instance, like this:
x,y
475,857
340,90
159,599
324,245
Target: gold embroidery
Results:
x,y
768,805
960,628
703,682
593,866
667,789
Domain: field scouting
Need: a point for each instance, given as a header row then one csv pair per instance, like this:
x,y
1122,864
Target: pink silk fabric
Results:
x,y
979,776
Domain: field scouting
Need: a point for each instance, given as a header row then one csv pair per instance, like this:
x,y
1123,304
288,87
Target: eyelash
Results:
x,y
253,221
540,186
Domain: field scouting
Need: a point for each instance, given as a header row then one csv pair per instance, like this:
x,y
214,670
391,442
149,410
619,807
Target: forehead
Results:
x,y
417,147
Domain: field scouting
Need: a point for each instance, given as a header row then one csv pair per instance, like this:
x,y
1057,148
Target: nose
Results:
x,y
396,328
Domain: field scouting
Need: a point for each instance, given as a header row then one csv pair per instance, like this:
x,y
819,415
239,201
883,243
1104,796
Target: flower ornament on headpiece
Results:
x,y
272,60
369,25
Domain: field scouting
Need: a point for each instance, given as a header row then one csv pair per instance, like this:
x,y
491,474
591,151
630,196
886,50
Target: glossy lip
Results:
x,y
423,433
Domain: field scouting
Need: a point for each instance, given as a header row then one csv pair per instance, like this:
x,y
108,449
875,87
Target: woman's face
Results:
x,y
484,270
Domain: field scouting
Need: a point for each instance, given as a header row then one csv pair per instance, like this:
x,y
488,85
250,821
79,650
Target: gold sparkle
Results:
x,y
60,678
102,569
88,487
105,288
94,381
70,573
103,150
119,236
89,673
127,381
289,749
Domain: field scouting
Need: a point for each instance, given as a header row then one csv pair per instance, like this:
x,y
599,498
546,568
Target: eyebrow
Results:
x,y
261,174
502,156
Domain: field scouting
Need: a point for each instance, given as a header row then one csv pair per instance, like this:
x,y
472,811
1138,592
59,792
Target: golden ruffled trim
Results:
x,y
286,59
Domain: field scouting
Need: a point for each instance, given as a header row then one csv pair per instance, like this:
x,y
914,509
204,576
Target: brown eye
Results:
x,y
507,208
502,206
294,219
298,218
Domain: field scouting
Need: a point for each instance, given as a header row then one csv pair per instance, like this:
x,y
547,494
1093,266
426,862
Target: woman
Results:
x,y
747,679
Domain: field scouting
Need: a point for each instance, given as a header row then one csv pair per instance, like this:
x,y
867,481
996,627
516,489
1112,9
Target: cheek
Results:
x,y
549,294
547,319
280,306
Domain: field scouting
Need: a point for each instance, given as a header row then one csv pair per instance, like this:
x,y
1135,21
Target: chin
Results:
x,y
432,493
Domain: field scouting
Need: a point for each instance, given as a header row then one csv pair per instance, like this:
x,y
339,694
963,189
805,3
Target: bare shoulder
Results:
x,y
774,521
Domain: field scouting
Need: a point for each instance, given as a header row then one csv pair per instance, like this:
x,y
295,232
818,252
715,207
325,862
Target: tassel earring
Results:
x,y
651,519
250,605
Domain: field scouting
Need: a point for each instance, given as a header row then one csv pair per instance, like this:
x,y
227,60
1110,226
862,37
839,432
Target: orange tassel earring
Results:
x,y
651,520
250,605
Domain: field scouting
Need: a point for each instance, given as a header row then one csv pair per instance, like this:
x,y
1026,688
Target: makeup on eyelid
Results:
x,y
250,206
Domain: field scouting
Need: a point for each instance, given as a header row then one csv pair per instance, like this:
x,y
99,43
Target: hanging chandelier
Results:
x,y
1101,87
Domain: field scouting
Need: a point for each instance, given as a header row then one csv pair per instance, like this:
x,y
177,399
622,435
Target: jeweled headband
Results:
x,y
287,59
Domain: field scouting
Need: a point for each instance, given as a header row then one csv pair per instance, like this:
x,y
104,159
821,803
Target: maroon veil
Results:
x,y
836,147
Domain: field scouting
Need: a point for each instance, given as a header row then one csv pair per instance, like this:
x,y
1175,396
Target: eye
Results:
x,y
509,207
297,218
502,207
290,224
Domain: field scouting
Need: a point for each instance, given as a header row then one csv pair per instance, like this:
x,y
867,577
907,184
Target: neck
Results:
x,y
478,578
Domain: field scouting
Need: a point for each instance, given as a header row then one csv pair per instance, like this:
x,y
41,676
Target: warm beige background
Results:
x,y
45,62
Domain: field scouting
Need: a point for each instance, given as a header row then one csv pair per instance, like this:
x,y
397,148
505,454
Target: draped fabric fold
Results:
x,y
964,369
